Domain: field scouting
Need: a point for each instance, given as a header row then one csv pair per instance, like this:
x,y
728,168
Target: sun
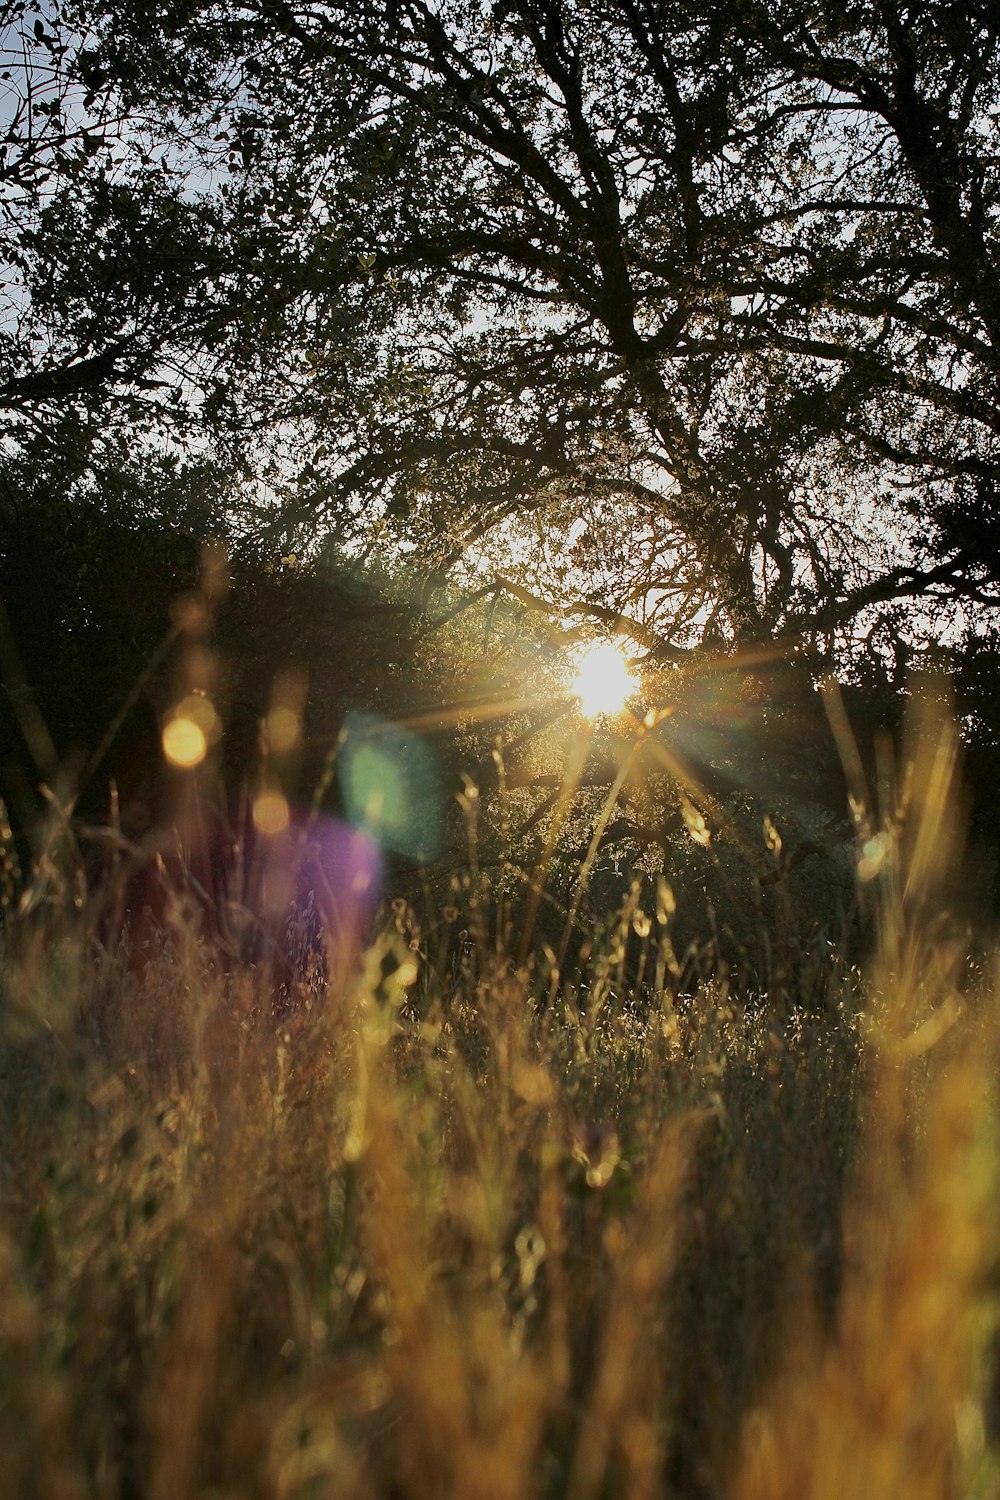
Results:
x,y
604,681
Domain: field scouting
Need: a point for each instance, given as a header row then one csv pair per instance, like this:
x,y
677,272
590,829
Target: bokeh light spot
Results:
x,y
873,856
191,727
284,729
185,743
270,813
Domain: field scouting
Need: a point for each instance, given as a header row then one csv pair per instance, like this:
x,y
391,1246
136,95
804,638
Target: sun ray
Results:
x,y
477,711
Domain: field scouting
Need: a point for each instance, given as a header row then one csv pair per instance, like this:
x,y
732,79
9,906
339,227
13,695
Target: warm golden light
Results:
x,y
604,681
193,725
284,729
185,743
270,813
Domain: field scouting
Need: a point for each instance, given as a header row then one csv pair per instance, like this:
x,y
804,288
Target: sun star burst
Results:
x,y
603,681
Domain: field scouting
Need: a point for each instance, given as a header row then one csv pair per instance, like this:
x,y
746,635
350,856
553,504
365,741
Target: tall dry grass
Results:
x,y
448,1227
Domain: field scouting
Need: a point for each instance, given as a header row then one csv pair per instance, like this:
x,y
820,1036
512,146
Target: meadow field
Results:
x,y
413,1218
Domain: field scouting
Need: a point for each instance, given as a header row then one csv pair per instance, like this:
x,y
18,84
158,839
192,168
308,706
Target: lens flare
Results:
x,y
391,785
604,681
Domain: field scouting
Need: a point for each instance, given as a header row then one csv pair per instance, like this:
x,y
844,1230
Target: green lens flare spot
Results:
x,y
391,787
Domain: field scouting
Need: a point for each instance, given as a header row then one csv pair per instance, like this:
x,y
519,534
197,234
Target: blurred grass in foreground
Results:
x,y
443,1227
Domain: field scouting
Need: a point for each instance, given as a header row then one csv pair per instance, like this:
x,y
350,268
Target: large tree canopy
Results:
x,y
678,314
124,271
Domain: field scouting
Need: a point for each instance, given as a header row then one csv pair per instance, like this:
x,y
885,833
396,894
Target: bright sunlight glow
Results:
x,y
604,681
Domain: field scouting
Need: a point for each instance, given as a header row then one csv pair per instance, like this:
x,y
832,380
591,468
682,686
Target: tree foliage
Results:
x,y
671,314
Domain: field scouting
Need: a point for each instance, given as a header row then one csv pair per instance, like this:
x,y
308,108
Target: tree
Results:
x,y
694,307
677,320
124,284
105,617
